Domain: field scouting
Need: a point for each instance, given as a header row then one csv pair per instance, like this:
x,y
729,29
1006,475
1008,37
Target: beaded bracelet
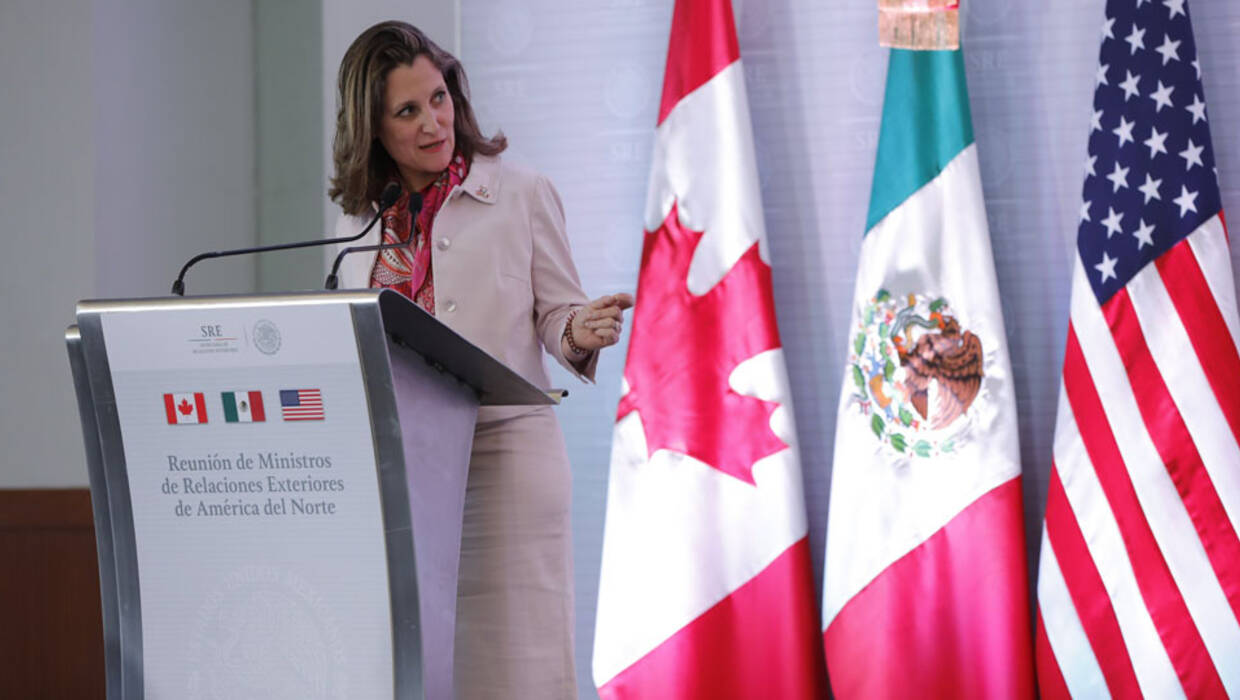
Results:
x,y
568,334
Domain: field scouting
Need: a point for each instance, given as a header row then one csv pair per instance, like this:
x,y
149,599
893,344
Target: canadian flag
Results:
x,y
706,588
189,407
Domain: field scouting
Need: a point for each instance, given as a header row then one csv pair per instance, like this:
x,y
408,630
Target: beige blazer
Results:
x,y
504,274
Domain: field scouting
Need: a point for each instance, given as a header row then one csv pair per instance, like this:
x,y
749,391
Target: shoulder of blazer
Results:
x,y
488,175
485,178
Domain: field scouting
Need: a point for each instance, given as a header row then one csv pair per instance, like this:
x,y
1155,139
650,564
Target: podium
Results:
x,y
278,484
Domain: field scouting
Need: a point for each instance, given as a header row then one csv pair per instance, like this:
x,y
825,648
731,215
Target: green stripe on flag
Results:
x,y
230,406
925,125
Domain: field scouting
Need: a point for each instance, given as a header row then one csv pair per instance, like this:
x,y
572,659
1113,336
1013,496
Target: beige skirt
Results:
x,y
514,616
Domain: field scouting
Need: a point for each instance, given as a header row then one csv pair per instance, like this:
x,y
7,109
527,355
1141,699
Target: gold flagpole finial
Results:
x,y
926,25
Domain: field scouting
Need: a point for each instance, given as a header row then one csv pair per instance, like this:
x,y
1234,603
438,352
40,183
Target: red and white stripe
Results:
x,y
706,582
309,406
1139,583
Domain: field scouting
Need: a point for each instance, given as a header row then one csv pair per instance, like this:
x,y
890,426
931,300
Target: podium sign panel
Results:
x,y
278,484
250,426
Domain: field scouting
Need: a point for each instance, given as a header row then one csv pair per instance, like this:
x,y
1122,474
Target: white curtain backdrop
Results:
x,y
576,88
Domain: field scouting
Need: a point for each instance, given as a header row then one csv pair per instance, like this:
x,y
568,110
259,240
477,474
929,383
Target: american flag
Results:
x,y
1139,579
301,404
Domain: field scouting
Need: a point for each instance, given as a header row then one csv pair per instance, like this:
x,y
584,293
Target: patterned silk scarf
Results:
x,y
408,270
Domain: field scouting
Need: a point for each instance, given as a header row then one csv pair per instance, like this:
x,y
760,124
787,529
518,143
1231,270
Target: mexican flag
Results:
x,y
925,583
243,406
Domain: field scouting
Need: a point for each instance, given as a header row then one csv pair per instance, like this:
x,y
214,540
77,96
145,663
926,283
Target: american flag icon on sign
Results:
x,y
301,404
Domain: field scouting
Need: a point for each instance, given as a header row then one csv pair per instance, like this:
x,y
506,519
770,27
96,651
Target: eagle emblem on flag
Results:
x,y
916,372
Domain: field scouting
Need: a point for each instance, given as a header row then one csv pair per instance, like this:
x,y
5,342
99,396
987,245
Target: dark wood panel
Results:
x,y
51,629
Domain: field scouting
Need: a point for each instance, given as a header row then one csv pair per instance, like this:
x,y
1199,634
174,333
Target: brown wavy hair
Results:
x,y
363,166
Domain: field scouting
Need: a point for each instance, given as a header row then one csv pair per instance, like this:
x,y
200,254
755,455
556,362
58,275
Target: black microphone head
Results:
x,y
415,203
390,194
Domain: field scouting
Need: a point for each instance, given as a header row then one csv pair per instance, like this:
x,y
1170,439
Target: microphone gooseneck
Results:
x,y
415,206
390,194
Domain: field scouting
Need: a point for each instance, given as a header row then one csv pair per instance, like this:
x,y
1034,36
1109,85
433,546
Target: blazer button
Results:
x,y
449,306
443,244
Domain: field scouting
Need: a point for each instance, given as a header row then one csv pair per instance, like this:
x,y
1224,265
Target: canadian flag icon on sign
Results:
x,y
183,408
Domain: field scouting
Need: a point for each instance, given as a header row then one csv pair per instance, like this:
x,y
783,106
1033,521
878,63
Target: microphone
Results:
x,y
390,194
415,206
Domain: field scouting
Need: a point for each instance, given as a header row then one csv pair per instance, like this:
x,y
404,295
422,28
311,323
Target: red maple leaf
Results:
x,y
185,407
684,346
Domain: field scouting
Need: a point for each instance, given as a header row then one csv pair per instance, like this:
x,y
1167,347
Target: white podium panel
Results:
x,y
250,426
278,484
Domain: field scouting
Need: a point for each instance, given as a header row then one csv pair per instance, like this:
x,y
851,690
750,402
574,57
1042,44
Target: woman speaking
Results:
x,y
487,254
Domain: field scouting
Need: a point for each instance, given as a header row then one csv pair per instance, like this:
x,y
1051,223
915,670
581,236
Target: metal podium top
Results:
x,y
405,322
496,383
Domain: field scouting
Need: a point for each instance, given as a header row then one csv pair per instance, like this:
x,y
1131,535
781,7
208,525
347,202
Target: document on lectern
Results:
x,y
256,509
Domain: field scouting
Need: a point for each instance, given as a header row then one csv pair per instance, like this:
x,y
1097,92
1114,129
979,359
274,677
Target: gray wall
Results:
x,y
174,144
288,71
126,145
47,194
575,87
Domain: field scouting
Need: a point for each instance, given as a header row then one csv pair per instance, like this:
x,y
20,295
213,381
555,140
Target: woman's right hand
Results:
x,y
598,324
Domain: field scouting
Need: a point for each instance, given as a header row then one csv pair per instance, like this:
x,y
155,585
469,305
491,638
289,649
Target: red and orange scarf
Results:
x,y
408,270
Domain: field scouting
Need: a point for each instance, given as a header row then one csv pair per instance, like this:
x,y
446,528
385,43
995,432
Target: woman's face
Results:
x,y
417,124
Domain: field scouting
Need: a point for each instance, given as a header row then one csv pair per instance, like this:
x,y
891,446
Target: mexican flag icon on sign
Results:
x,y
243,406
185,408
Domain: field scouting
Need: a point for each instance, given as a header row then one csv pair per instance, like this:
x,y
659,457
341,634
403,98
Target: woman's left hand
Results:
x,y
598,324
